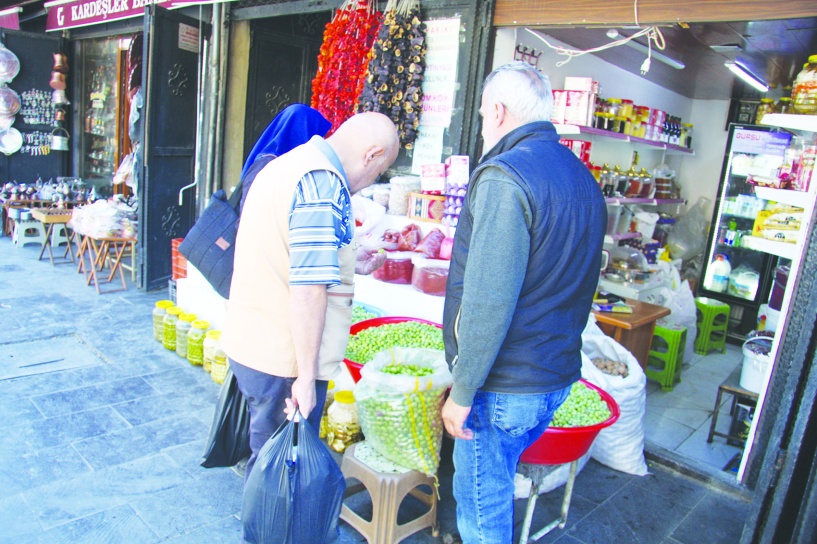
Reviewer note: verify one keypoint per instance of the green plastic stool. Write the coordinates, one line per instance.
(713, 320)
(666, 355)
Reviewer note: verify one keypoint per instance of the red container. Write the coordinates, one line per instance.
(397, 268)
(354, 368)
(559, 445)
(781, 277)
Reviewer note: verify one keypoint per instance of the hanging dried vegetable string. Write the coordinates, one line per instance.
(343, 58)
(394, 83)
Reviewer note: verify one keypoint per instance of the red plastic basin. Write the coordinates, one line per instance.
(565, 444)
(354, 368)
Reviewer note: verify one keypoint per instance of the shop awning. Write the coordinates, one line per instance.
(10, 18)
(63, 14)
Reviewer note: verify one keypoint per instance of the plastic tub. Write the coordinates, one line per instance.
(354, 368)
(756, 366)
(559, 445)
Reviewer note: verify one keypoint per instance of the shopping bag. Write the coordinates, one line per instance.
(400, 415)
(229, 438)
(210, 244)
(295, 490)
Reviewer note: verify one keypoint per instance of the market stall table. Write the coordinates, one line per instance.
(633, 331)
(25, 203)
(51, 217)
(98, 251)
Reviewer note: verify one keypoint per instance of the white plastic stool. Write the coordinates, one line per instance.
(59, 235)
(28, 232)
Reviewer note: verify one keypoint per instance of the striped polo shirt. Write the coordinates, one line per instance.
(320, 223)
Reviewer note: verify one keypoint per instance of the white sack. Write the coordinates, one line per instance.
(557, 477)
(681, 303)
(621, 445)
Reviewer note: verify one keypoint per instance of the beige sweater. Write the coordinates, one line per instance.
(256, 333)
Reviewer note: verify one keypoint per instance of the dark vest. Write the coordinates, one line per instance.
(541, 352)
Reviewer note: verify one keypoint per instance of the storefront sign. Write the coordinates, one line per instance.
(188, 38)
(64, 14)
(428, 148)
(440, 79)
(10, 18)
(758, 142)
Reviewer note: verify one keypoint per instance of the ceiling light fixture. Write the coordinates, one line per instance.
(657, 55)
(743, 73)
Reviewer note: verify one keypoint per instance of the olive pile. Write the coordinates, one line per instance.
(584, 407)
(411, 334)
(613, 368)
(359, 313)
(393, 85)
(405, 428)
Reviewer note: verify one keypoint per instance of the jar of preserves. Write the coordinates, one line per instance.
(211, 341)
(344, 425)
(159, 312)
(766, 106)
(220, 366)
(633, 189)
(195, 341)
(613, 105)
(183, 325)
(647, 184)
(626, 108)
(783, 105)
(397, 268)
(323, 428)
(804, 93)
(169, 327)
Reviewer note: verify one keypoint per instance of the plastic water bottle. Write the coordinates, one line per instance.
(717, 274)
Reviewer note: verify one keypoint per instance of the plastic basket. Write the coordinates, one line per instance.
(354, 368)
(559, 445)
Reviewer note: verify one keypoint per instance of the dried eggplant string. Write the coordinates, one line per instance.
(342, 60)
(397, 62)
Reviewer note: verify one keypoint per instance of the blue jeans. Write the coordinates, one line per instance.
(504, 426)
(265, 396)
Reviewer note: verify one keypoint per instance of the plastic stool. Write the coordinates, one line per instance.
(713, 320)
(666, 355)
(387, 492)
(59, 235)
(28, 232)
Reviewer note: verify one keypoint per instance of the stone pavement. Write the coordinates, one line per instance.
(104, 430)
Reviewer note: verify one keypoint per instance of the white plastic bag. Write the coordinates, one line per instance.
(556, 478)
(681, 303)
(368, 212)
(621, 445)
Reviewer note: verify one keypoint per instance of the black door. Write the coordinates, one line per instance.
(170, 83)
(283, 61)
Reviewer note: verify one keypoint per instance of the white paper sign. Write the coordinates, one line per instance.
(428, 148)
(440, 79)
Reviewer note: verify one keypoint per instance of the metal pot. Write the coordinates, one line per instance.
(58, 141)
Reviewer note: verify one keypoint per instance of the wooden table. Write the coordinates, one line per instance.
(52, 217)
(98, 251)
(633, 331)
(25, 203)
(731, 386)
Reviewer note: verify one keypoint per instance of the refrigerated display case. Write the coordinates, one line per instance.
(104, 135)
(752, 153)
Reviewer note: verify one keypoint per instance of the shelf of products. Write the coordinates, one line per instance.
(781, 249)
(573, 130)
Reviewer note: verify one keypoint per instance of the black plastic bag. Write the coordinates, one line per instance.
(229, 439)
(295, 490)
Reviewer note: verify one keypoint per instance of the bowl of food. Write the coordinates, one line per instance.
(371, 336)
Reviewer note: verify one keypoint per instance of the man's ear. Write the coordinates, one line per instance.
(374, 152)
(500, 112)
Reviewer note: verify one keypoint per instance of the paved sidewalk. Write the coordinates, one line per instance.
(103, 430)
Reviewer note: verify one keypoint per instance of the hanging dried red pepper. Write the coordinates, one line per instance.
(394, 82)
(343, 60)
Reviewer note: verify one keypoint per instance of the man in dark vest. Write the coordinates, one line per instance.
(524, 268)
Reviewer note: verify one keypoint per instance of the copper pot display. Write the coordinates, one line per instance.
(60, 63)
(57, 81)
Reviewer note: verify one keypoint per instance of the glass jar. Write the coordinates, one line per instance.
(195, 341)
(159, 312)
(219, 367)
(646, 183)
(783, 105)
(183, 325)
(323, 428)
(766, 106)
(613, 105)
(344, 425)
(804, 93)
(211, 341)
(626, 108)
(686, 138)
(169, 323)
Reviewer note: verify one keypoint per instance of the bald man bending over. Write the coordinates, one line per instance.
(290, 304)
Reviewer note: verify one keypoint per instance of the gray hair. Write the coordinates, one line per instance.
(523, 90)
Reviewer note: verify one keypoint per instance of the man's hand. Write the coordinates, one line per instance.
(454, 417)
(368, 260)
(303, 396)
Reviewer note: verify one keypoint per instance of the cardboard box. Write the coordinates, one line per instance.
(432, 178)
(457, 172)
(426, 207)
(581, 84)
(573, 108)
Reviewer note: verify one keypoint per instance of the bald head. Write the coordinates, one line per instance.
(366, 145)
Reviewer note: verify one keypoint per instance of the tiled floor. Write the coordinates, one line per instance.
(105, 445)
(679, 420)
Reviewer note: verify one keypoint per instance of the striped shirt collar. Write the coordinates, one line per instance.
(330, 154)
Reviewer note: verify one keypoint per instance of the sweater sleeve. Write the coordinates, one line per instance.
(497, 261)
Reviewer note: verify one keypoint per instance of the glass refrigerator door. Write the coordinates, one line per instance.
(753, 152)
(100, 101)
